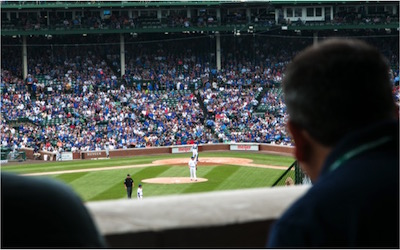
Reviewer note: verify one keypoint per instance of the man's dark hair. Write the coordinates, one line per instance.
(336, 87)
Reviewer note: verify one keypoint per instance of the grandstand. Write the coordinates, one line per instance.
(151, 74)
(102, 66)
(76, 75)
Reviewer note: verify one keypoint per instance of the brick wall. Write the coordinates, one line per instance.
(265, 148)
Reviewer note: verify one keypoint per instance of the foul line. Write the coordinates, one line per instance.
(144, 165)
(92, 169)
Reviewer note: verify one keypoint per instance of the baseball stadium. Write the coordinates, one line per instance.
(93, 91)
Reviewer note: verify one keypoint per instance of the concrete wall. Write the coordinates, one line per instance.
(225, 219)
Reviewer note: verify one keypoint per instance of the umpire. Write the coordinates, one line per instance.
(129, 184)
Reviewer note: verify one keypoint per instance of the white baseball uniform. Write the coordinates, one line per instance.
(195, 151)
(192, 166)
(140, 193)
(107, 147)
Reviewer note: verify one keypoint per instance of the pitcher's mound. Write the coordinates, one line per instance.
(173, 180)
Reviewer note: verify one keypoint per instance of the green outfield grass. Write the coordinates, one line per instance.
(108, 184)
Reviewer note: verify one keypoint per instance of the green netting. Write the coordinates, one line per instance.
(292, 176)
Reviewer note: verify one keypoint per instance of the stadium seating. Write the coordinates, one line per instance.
(165, 87)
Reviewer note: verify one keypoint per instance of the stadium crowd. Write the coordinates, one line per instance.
(204, 17)
(73, 100)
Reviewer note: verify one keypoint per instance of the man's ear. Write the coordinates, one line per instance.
(302, 149)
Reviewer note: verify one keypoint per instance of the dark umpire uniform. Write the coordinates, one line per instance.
(129, 183)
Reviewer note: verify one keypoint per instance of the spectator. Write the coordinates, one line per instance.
(87, 101)
(337, 139)
(46, 200)
(289, 181)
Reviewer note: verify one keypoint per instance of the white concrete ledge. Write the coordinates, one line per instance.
(192, 210)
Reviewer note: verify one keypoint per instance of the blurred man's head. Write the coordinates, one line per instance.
(336, 87)
(330, 90)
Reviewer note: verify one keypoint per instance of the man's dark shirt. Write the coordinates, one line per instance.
(128, 182)
(354, 205)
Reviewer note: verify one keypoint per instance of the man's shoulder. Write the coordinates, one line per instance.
(307, 207)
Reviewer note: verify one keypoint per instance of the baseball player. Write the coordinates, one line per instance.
(107, 147)
(140, 192)
(193, 167)
(195, 151)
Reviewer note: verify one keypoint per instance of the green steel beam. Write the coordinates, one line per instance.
(114, 4)
(222, 28)
(394, 25)
(344, 2)
(16, 5)
(225, 28)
